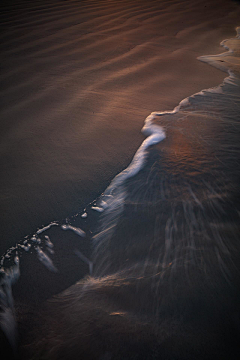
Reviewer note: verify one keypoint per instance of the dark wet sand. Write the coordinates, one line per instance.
(78, 79)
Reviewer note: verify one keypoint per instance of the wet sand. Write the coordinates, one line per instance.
(78, 80)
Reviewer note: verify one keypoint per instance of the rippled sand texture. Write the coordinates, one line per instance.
(77, 81)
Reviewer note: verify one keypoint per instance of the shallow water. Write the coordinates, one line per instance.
(77, 80)
(172, 216)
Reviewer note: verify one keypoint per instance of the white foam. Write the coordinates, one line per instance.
(45, 259)
(103, 204)
(25, 247)
(77, 231)
(97, 208)
(48, 242)
(155, 134)
(46, 228)
(36, 239)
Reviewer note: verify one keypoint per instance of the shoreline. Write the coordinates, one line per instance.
(62, 149)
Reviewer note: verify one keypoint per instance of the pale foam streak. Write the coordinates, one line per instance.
(85, 259)
(45, 259)
(77, 231)
(7, 313)
(156, 134)
(46, 228)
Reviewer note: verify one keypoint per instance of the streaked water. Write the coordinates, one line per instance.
(165, 238)
(77, 80)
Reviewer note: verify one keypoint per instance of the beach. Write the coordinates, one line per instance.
(78, 80)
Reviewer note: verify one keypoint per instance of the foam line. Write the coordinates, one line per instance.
(97, 208)
(46, 228)
(77, 231)
(155, 135)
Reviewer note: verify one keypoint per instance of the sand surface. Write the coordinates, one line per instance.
(78, 79)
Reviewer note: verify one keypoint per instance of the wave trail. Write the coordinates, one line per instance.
(200, 157)
(154, 134)
(7, 312)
